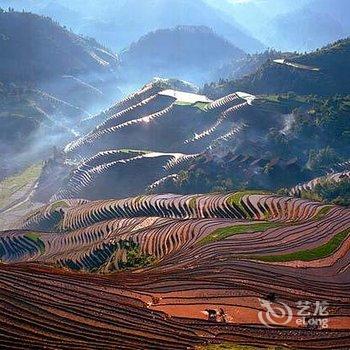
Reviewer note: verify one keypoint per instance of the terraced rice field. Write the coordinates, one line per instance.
(150, 112)
(174, 272)
(125, 165)
(163, 129)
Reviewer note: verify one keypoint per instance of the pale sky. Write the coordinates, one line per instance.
(241, 1)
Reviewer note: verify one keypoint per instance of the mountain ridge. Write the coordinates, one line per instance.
(186, 52)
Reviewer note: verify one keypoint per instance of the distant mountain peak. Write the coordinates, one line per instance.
(187, 52)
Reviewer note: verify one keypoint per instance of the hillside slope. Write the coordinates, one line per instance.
(151, 134)
(50, 78)
(322, 72)
(35, 49)
(32, 123)
(237, 68)
(162, 140)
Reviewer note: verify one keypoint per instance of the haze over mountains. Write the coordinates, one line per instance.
(301, 25)
(110, 21)
(36, 50)
(66, 78)
(50, 79)
(315, 24)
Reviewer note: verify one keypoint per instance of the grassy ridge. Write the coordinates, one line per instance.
(281, 102)
(225, 232)
(35, 237)
(59, 204)
(320, 252)
(323, 212)
(237, 197)
(200, 105)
